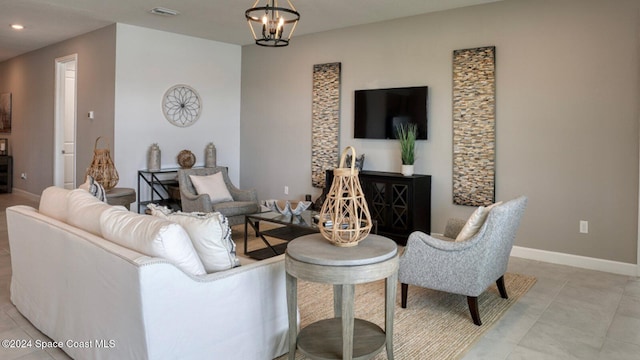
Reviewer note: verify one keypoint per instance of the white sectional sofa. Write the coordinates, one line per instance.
(100, 300)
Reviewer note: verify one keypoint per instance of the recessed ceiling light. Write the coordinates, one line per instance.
(17, 26)
(163, 11)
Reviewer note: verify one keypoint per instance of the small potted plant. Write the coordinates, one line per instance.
(407, 135)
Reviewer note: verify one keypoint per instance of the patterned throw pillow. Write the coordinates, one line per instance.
(210, 234)
(94, 188)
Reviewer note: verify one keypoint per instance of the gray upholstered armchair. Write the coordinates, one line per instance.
(244, 201)
(466, 267)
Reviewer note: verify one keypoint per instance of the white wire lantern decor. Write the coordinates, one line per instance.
(270, 23)
(345, 217)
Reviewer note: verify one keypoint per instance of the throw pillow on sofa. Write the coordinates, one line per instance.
(210, 234)
(53, 203)
(94, 188)
(84, 210)
(151, 236)
(213, 185)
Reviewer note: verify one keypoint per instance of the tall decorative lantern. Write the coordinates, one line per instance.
(345, 215)
(102, 168)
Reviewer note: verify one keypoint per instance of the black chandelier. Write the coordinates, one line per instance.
(271, 22)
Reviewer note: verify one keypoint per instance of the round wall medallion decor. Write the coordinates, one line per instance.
(181, 105)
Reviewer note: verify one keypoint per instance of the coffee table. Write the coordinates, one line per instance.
(294, 226)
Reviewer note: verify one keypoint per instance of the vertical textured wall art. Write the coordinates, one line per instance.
(325, 127)
(5, 113)
(474, 119)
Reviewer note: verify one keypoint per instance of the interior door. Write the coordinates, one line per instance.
(66, 114)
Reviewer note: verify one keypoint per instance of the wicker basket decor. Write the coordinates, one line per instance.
(186, 159)
(102, 168)
(345, 217)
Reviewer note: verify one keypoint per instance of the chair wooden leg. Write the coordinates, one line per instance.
(473, 308)
(501, 288)
(403, 295)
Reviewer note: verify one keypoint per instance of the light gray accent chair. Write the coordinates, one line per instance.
(466, 267)
(244, 201)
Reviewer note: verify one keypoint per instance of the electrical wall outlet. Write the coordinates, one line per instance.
(23, 176)
(286, 190)
(584, 227)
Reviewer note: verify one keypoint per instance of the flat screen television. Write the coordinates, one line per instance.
(377, 112)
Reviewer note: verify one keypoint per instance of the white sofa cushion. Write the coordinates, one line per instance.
(84, 210)
(213, 185)
(53, 203)
(210, 234)
(151, 236)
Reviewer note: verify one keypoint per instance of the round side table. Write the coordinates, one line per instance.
(121, 196)
(312, 258)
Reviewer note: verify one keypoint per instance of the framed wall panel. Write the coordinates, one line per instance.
(325, 127)
(474, 130)
(5, 113)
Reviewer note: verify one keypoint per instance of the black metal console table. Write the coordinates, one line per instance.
(157, 184)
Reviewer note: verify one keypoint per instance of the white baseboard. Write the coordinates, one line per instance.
(584, 262)
(26, 194)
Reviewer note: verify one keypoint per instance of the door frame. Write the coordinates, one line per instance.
(58, 134)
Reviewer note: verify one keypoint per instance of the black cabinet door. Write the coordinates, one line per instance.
(399, 204)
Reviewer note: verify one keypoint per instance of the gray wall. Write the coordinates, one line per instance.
(31, 78)
(567, 112)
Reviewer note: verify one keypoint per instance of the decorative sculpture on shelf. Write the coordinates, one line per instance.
(287, 207)
(186, 159)
(345, 219)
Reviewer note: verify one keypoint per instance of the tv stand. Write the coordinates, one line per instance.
(400, 204)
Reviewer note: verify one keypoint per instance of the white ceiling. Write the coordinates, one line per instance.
(51, 21)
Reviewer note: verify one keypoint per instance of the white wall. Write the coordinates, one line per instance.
(567, 112)
(148, 62)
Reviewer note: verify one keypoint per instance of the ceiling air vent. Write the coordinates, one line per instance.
(163, 11)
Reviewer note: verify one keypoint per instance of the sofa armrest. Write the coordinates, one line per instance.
(225, 309)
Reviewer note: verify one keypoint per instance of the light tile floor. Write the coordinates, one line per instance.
(570, 313)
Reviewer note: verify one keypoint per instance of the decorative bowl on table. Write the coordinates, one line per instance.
(286, 207)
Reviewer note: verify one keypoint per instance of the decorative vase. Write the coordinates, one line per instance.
(153, 158)
(345, 219)
(407, 170)
(210, 156)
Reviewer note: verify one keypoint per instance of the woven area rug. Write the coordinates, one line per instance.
(435, 325)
